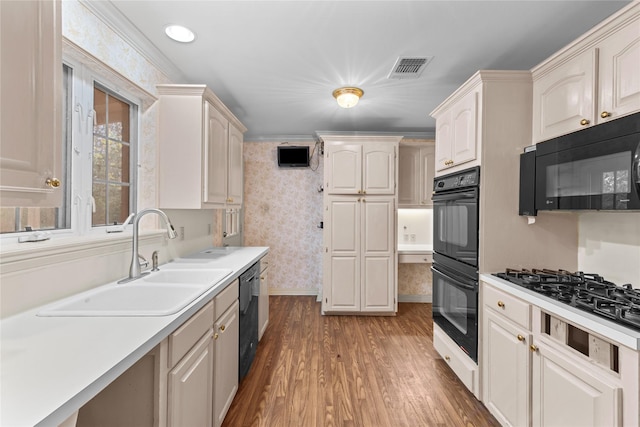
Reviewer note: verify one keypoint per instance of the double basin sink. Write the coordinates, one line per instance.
(159, 293)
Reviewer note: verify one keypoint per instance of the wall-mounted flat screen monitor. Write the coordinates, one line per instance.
(292, 156)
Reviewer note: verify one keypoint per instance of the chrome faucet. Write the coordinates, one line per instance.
(135, 270)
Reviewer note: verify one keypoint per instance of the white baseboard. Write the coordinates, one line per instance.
(415, 298)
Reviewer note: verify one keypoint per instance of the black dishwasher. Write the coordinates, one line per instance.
(249, 291)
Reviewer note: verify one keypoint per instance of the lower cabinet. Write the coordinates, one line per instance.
(189, 379)
(540, 370)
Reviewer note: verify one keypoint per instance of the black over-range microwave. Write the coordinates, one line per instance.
(592, 169)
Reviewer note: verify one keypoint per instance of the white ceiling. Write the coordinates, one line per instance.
(275, 64)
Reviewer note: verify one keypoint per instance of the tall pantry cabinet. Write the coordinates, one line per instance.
(360, 200)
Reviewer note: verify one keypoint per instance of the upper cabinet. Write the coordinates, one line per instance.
(594, 80)
(457, 132)
(31, 105)
(200, 150)
(361, 168)
(416, 165)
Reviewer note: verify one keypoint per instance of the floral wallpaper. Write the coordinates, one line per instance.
(414, 282)
(283, 209)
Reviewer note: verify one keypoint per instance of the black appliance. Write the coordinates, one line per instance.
(588, 292)
(455, 259)
(596, 168)
(249, 291)
(528, 182)
(293, 156)
(455, 215)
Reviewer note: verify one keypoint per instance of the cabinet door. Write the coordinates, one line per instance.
(464, 126)
(619, 78)
(565, 392)
(427, 172)
(226, 337)
(215, 156)
(31, 103)
(563, 100)
(409, 175)
(190, 401)
(505, 369)
(444, 136)
(379, 169)
(234, 186)
(263, 303)
(344, 173)
(378, 248)
(342, 262)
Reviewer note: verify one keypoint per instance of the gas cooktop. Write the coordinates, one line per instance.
(588, 292)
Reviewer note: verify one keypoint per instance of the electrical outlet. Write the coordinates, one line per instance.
(405, 237)
(181, 233)
(413, 237)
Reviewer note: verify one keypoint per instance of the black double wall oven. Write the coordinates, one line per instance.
(455, 258)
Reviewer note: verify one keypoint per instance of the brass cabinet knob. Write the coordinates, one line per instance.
(261, 277)
(215, 336)
(584, 122)
(533, 348)
(364, 200)
(364, 191)
(359, 191)
(52, 182)
(605, 114)
(500, 304)
(222, 328)
(447, 358)
(520, 338)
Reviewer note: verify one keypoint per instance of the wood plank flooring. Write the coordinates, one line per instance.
(313, 370)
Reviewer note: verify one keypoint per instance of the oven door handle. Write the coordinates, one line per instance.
(454, 196)
(458, 282)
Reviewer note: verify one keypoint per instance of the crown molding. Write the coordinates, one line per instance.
(122, 26)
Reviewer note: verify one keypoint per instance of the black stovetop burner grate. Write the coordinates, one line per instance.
(588, 292)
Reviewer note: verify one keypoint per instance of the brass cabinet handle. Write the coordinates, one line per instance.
(359, 191)
(605, 114)
(215, 336)
(500, 304)
(52, 182)
(584, 122)
(261, 277)
(520, 338)
(364, 191)
(222, 328)
(533, 348)
(447, 358)
(364, 200)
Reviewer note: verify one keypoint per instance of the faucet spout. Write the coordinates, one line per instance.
(135, 270)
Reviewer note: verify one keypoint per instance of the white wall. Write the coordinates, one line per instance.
(415, 226)
(609, 245)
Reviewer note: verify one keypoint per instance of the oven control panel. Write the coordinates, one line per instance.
(466, 178)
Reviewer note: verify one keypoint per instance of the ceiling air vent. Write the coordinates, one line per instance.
(409, 67)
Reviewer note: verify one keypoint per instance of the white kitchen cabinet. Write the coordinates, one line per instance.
(567, 391)
(506, 364)
(457, 132)
(190, 382)
(416, 165)
(360, 262)
(200, 140)
(263, 298)
(226, 337)
(361, 168)
(592, 81)
(31, 105)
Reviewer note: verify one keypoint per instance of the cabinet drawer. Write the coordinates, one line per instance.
(227, 297)
(264, 263)
(415, 258)
(181, 341)
(458, 361)
(509, 306)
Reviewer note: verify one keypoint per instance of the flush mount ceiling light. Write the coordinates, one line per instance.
(347, 97)
(179, 33)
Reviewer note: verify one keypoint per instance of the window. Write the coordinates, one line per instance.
(99, 160)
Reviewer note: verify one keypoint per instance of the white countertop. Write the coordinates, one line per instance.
(611, 330)
(414, 248)
(52, 366)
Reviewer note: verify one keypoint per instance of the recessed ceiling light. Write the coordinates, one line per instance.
(179, 33)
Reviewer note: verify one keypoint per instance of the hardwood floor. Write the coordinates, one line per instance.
(313, 370)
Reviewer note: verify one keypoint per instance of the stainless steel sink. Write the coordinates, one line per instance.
(158, 294)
